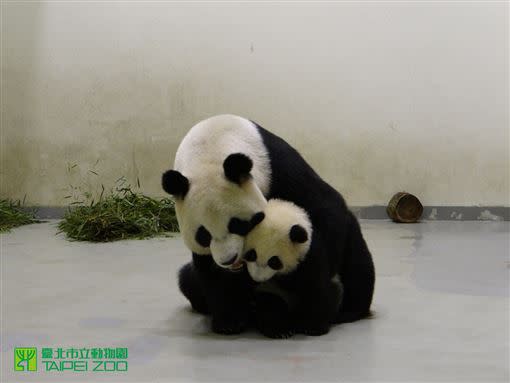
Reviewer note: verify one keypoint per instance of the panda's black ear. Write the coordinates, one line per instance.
(237, 167)
(175, 183)
(298, 234)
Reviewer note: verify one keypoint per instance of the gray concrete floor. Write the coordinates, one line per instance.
(441, 311)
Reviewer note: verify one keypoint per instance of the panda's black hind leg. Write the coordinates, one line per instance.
(191, 288)
(358, 278)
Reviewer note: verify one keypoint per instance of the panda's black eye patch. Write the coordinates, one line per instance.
(203, 237)
(257, 218)
(250, 256)
(275, 263)
(239, 227)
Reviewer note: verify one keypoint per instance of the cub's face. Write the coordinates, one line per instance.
(279, 242)
(218, 209)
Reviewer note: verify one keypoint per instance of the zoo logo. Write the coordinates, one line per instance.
(25, 359)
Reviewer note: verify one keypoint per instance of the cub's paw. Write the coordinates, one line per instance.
(230, 327)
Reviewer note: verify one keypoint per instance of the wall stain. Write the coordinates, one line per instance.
(433, 214)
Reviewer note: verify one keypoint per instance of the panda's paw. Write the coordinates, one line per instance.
(273, 327)
(280, 335)
(275, 333)
(230, 327)
(313, 330)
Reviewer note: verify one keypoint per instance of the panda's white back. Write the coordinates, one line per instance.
(204, 148)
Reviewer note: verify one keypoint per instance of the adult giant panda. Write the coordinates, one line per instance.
(225, 168)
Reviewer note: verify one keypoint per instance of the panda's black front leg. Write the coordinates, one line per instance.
(227, 293)
(191, 287)
(229, 301)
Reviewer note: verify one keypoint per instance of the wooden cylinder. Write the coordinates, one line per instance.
(404, 207)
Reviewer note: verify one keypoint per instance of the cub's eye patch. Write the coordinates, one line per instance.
(239, 227)
(250, 256)
(203, 237)
(275, 263)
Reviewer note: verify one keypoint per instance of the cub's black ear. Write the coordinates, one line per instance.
(257, 218)
(250, 256)
(237, 167)
(298, 234)
(175, 183)
(239, 227)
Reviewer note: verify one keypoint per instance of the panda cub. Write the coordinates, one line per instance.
(281, 253)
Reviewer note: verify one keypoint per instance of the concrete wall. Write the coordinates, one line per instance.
(378, 97)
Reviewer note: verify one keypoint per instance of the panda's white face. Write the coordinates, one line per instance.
(279, 242)
(215, 215)
(217, 209)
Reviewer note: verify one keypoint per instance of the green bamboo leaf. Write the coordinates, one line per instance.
(119, 214)
(12, 214)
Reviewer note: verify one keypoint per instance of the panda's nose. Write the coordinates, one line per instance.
(230, 261)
